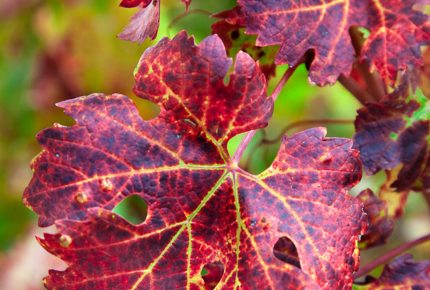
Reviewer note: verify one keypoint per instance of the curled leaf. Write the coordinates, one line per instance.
(144, 23)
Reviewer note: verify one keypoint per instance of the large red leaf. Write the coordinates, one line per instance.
(396, 33)
(204, 212)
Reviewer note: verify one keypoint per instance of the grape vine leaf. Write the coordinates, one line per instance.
(382, 210)
(402, 273)
(380, 226)
(396, 131)
(231, 29)
(144, 24)
(397, 32)
(207, 219)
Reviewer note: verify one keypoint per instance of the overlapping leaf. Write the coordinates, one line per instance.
(396, 131)
(402, 273)
(382, 211)
(203, 211)
(230, 28)
(144, 24)
(381, 225)
(396, 33)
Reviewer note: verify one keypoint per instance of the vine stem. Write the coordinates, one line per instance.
(390, 255)
(302, 123)
(354, 88)
(245, 141)
(375, 86)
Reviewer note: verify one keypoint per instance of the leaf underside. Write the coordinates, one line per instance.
(204, 213)
(144, 24)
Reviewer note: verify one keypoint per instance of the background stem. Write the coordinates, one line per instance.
(354, 88)
(390, 255)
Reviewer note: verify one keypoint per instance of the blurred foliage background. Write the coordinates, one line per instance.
(54, 50)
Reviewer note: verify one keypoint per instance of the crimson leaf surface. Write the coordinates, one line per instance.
(209, 222)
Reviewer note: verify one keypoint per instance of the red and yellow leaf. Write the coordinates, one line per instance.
(397, 32)
(205, 214)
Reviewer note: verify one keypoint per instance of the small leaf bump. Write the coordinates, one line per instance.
(65, 241)
(81, 197)
(106, 185)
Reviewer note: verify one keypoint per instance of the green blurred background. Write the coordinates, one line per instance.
(54, 50)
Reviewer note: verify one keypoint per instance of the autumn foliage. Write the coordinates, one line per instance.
(211, 224)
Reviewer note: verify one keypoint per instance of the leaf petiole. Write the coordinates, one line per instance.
(245, 141)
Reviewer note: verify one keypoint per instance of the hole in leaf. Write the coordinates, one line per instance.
(364, 31)
(212, 273)
(147, 109)
(133, 209)
(309, 58)
(286, 251)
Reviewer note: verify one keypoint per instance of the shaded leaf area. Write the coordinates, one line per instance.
(208, 222)
(402, 273)
(286, 251)
(231, 29)
(381, 225)
(397, 32)
(396, 131)
(424, 73)
(382, 211)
